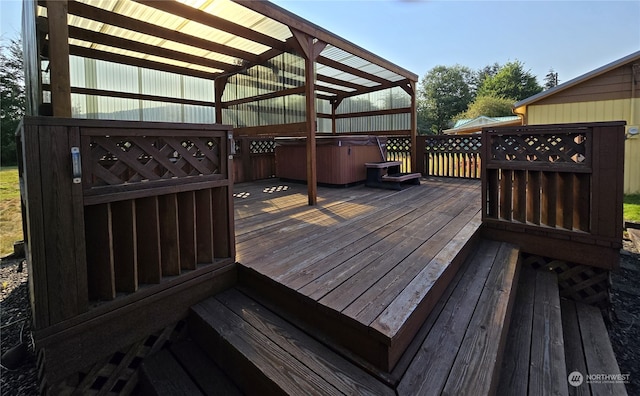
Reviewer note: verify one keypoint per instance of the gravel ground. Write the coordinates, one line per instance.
(624, 328)
(14, 314)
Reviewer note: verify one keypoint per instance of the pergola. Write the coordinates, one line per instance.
(266, 66)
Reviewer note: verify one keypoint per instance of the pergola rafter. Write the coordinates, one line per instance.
(214, 40)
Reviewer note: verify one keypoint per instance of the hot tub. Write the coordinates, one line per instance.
(340, 159)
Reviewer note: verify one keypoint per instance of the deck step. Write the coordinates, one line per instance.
(588, 350)
(183, 369)
(550, 338)
(267, 355)
(459, 347)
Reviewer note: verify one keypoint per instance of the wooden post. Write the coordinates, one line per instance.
(311, 51)
(414, 128)
(59, 57)
(219, 86)
(312, 180)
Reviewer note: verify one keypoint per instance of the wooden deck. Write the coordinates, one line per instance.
(365, 266)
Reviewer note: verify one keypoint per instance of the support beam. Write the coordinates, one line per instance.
(59, 58)
(219, 86)
(311, 51)
(414, 127)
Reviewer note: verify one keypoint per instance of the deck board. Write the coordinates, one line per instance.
(368, 256)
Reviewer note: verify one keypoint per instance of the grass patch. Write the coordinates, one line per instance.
(10, 213)
(631, 208)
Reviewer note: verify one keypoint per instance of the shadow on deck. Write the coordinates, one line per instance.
(365, 266)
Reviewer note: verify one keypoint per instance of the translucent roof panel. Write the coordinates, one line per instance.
(209, 38)
(344, 57)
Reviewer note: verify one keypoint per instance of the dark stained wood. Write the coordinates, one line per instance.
(548, 369)
(31, 188)
(81, 342)
(148, 240)
(477, 366)
(187, 229)
(223, 220)
(582, 203)
(573, 191)
(549, 198)
(59, 58)
(162, 375)
(514, 374)
(506, 195)
(448, 331)
(303, 348)
(564, 204)
(125, 255)
(246, 352)
(204, 227)
(169, 234)
(573, 351)
(63, 266)
(520, 196)
(598, 352)
(205, 373)
(533, 197)
(99, 242)
(356, 255)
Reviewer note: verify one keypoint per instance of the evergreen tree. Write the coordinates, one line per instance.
(12, 98)
(551, 79)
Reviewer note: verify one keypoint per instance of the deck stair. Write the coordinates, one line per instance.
(550, 338)
(465, 332)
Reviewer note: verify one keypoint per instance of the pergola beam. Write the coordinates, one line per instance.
(196, 15)
(294, 22)
(136, 25)
(59, 58)
(128, 60)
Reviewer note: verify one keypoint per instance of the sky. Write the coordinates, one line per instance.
(572, 37)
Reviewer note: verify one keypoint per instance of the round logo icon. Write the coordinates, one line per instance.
(576, 378)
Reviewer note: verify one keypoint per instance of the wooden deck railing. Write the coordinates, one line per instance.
(254, 159)
(127, 225)
(449, 156)
(556, 190)
(399, 149)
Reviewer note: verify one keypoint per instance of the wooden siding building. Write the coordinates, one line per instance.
(609, 93)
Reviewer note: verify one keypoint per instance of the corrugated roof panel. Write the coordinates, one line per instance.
(340, 87)
(243, 16)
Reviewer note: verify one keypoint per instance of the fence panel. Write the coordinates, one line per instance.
(451, 156)
(556, 184)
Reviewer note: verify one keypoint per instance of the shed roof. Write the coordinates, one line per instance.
(580, 79)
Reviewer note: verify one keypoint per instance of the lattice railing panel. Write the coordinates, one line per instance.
(453, 144)
(570, 147)
(399, 144)
(117, 160)
(577, 282)
(262, 146)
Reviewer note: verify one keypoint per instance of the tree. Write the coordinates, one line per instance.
(481, 75)
(443, 93)
(489, 106)
(511, 81)
(12, 98)
(551, 79)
